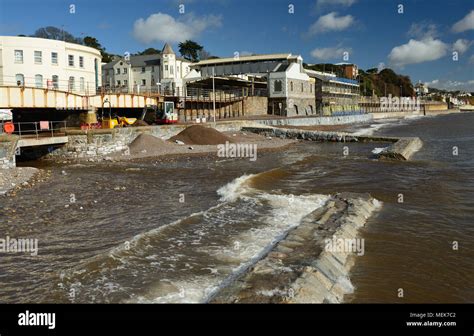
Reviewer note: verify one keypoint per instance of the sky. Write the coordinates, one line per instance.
(431, 41)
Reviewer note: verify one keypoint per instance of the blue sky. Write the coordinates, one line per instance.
(418, 42)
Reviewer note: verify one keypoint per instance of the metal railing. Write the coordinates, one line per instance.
(191, 92)
(76, 86)
(38, 129)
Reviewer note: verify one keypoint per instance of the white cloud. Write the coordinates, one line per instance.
(422, 30)
(165, 28)
(461, 45)
(346, 3)
(471, 59)
(329, 53)
(331, 22)
(452, 85)
(433, 82)
(467, 23)
(416, 51)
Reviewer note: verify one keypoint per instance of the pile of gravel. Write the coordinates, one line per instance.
(145, 143)
(201, 135)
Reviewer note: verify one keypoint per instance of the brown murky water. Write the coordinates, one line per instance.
(178, 230)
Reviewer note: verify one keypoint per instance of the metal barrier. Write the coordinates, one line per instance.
(180, 92)
(38, 129)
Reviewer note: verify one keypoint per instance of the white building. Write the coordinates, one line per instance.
(52, 64)
(291, 91)
(421, 89)
(143, 73)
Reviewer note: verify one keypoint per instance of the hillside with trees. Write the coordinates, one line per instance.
(373, 82)
(384, 83)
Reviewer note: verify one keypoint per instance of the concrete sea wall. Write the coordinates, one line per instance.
(302, 267)
(399, 148)
(327, 280)
(311, 121)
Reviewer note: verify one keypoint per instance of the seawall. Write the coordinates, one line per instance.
(399, 148)
(301, 268)
(312, 121)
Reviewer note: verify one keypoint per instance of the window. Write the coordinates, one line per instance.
(70, 60)
(125, 82)
(81, 61)
(171, 70)
(125, 71)
(152, 69)
(20, 79)
(118, 71)
(278, 86)
(177, 70)
(55, 81)
(38, 57)
(118, 83)
(143, 81)
(82, 86)
(143, 69)
(291, 86)
(39, 81)
(18, 56)
(166, 67)
(311, 90)
(302, 87)
(71, 83)
(54, 58)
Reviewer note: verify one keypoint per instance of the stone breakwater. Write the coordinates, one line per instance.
(300, 268)
(400, 148)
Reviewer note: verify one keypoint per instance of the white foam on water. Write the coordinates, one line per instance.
(378, 204)
(234, 189)
(189, 291)
(373, 128)
(287, 212)
(280, 213)
(133, 242)
(378, 150)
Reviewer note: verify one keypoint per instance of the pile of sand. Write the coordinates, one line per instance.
(148, 144)
(201, 135)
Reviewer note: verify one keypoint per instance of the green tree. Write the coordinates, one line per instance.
(94, 43)
(55, 33)
(190, 50)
